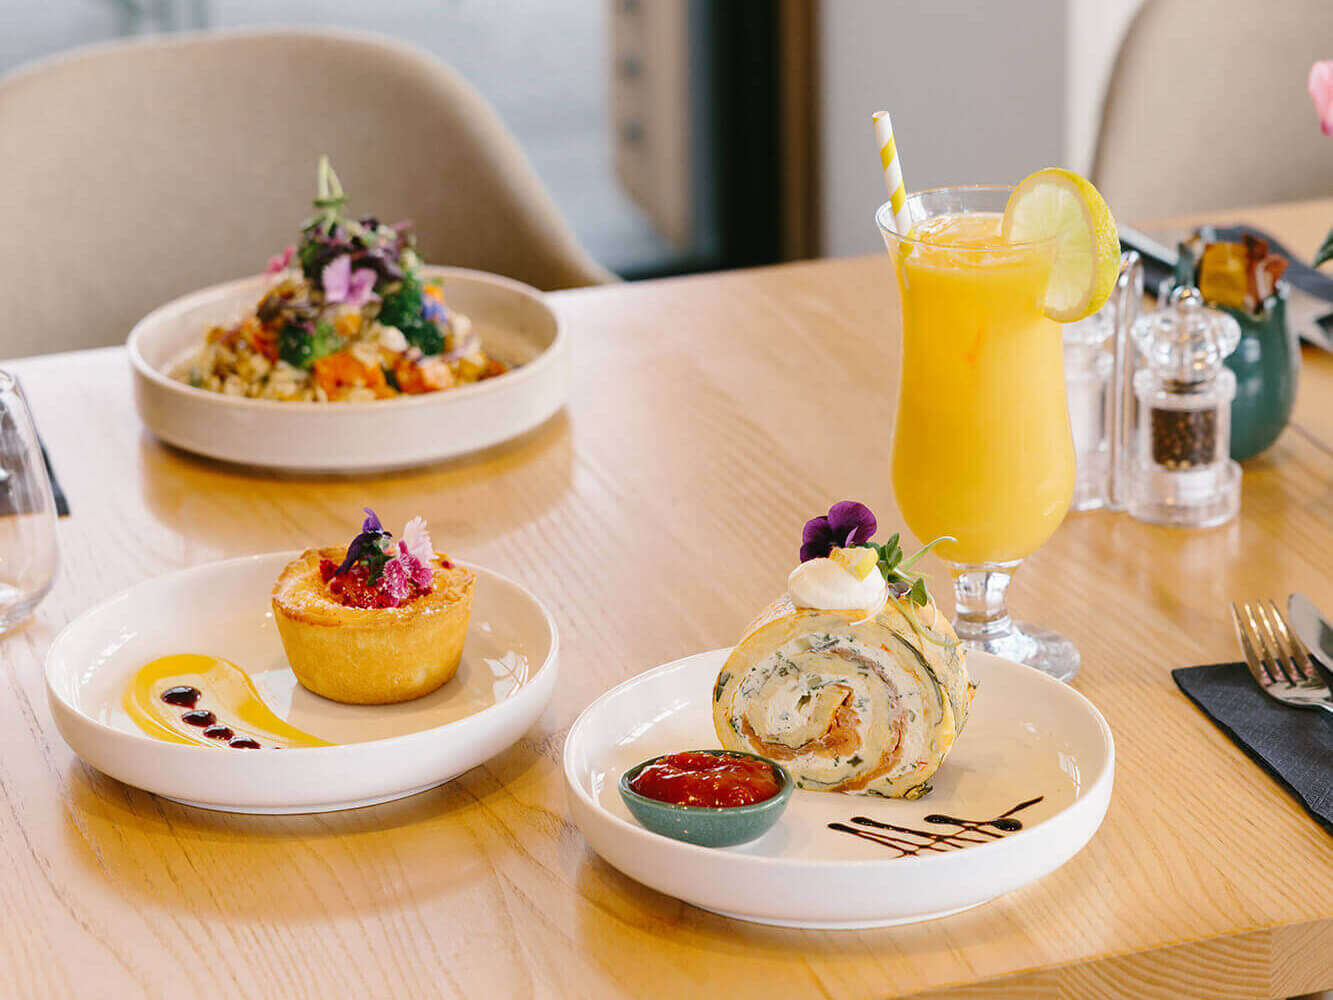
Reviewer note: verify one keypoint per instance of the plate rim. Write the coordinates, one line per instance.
(756, 862)
(525, 372)
(550, 663)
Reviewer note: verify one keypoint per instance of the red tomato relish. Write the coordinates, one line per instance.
(353, 589)
(695, 778)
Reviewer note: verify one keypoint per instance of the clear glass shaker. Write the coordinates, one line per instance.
(29, 553)
(1094, 361)
(1179, 464)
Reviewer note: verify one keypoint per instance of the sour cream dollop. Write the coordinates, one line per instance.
(825, 585)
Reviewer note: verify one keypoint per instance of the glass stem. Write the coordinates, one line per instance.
(981, 614)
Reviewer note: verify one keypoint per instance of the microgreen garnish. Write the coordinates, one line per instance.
(898, 571)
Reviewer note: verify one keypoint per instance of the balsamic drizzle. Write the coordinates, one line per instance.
(970, 831)
(187, 697)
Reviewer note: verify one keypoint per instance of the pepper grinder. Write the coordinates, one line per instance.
(1178, 463)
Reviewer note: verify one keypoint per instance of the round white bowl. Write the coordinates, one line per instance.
(379, 752)
(516, 326)
(1027, 735)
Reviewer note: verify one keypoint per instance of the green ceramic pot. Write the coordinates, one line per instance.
(1267, 363)
(708, 826)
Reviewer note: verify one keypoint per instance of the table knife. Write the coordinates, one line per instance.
(1313, 628)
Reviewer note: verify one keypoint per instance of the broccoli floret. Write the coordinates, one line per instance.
(302, 348)
(403, 309)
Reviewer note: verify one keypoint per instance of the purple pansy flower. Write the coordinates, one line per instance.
(847, 523)
(343, 285)
(368, 541)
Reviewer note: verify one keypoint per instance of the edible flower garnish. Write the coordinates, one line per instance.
(847, 523)
(379, 573)
(850, 525)
(279, 262)
(344, 286)
(367, 548)
(349, 314)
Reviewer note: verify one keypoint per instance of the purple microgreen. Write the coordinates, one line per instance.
(372, 521)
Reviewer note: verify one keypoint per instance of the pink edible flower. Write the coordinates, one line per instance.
(280, 261)
(1321, 92)
(419, 572)
(394, 580)
(343, 285)
(416, 540)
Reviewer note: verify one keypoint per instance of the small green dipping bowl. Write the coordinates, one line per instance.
(708, 826)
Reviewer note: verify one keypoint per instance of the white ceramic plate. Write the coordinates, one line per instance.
(384, 751)
(515, 325)
(1027, 735)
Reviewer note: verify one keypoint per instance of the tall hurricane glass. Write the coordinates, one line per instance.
(982, 449)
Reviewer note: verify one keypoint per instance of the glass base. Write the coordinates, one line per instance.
(1037, 647)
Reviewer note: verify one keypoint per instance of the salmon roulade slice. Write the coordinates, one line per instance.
(847, 702)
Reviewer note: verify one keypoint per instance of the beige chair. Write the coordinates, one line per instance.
(131, 173)
(1207, 108)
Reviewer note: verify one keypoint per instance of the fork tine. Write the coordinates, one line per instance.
(1296, 651)
(1269, 641)
(1257, 669)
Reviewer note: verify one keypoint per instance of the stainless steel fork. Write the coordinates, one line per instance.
(1277, 658)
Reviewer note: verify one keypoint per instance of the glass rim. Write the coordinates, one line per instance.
(885, 211)
(7, 381)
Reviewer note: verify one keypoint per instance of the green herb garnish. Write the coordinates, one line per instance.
(302, 346)
(898, 571)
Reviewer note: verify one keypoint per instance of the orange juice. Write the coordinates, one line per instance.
(982, 448)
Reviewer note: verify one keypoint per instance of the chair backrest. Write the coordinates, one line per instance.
(1207, 108)
(131, 173)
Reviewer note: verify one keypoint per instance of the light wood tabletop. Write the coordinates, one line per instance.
(710, 417)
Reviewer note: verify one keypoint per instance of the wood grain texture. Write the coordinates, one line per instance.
(710, 417)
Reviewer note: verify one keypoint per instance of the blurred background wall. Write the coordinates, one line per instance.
(683, 135)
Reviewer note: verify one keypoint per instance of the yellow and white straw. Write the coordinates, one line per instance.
(893, 171)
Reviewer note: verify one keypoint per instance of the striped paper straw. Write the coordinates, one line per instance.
(893, 171)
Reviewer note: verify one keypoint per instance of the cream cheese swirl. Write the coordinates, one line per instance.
(825, 585)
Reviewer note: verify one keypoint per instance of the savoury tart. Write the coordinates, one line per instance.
(358, 634)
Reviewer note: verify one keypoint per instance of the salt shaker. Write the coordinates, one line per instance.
(1179, 466)
(1093, 360)
(1088, 366)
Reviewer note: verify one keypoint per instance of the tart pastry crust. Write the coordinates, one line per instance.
(371, 656)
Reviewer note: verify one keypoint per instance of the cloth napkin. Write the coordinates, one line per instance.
(1294, 745)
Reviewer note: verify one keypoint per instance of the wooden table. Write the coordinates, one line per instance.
(710, 417)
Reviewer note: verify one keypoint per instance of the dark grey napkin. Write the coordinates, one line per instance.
(1294, 745)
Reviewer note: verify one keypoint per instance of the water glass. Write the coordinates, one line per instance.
(29, 552)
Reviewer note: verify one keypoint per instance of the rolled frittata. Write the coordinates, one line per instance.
(854, 701)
